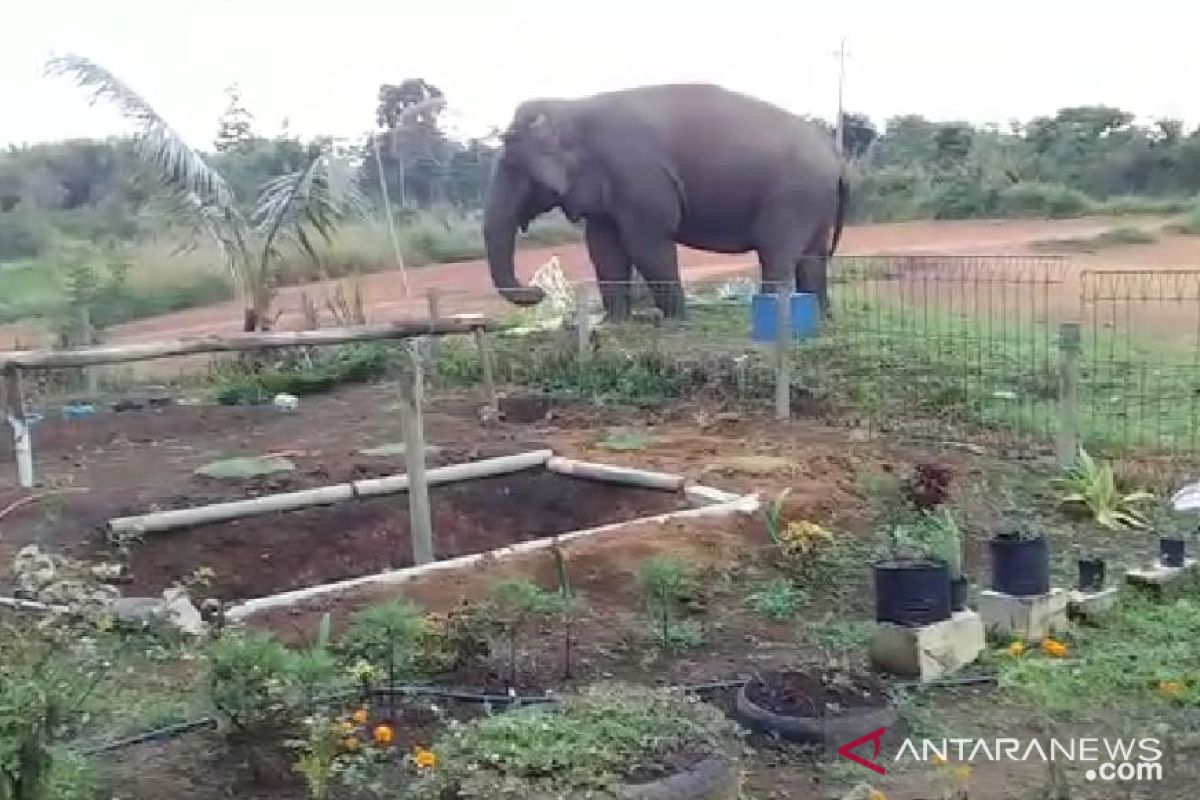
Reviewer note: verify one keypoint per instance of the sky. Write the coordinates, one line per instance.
(319, 65)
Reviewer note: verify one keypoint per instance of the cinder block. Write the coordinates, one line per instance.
(1092, 606)
(929, 652)
(1164, 583)
(1029, 618)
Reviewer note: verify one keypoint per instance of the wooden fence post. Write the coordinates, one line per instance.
(485, 361)
(433, 297)
(783, 365)
(14, 407)
(1067, 443)
(582, 324)
(419, 517)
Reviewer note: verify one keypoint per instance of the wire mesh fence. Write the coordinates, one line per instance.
(936, 348)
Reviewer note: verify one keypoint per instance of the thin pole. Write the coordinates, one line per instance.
(841, 128)
(419, 517)
(387, 210)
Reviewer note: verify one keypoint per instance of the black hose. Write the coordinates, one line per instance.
(464, 696)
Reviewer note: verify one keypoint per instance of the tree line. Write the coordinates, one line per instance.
(1078, 160)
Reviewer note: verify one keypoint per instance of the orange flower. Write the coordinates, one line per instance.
(424, 759)
(383, 735)
(1054, 649)
(360, 716)
(1016, 649)
(350, 744)
(876, 795)
(1170, 688)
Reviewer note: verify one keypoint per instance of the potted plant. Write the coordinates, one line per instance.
(1091, 574)
(1020, 560)
(912, 587)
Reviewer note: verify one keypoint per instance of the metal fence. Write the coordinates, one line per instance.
(1027, 353)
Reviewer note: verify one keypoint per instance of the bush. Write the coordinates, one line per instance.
(584, 747)
(1190, 224)
(1132, 204)
(23, 235)
(300, 375)
(249, 681)
(1035, 199)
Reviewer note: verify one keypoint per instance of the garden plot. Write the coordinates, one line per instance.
(359, 533)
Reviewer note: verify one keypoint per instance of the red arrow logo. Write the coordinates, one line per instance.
(847, 750)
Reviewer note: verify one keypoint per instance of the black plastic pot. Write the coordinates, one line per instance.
(912, 592)
(1020, 564)
(1091, 574)
(958, 593)
(1171, 551)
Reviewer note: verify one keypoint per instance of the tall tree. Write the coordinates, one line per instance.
(235, 128)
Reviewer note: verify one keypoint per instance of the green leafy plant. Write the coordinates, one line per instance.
(571, 606)
(773, 517)
(1093, 486)
(249, 681)
(665, 584)
(387, 637)
(932, 534)
(513, 604)
(314, 667)
(778, 599)
(585, 746)
(318, 754)
(45, 682)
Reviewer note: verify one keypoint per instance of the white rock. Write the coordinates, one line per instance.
(286, 402)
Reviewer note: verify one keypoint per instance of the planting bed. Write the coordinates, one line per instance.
(278, 552)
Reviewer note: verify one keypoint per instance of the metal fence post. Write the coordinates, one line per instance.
(783, 365)
(1067, 444)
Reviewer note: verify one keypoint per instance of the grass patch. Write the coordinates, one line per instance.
(1143, 657)
(1123, 235)
(1189, 224)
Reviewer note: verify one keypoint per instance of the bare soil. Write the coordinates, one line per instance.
(813, 694)
(272, 553)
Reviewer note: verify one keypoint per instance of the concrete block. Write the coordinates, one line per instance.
(1164, 583)
(1092, 606)
(929, 652)
(1029, 618)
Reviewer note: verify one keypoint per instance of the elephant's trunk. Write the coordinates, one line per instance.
(505, 198)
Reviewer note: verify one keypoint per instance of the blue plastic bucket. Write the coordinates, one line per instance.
(804, 316)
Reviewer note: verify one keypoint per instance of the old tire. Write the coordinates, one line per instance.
(714, 778)
(826, 731)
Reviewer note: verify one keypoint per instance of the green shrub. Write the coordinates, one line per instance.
(665, 584)
(584, 747)
(23, 235)
(1036, 199)
(299, 376)
(249, 681)
(387, 637)
(1132, 204)
(1190, 224)
(778, 600)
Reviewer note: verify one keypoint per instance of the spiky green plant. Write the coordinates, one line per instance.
(291, 208)
(1093, 486)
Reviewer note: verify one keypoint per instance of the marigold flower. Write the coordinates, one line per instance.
(876, 795)
(424, 759)
(1054, 649)
(962, 772)
(1016, 649)
(937, 760)
(360, 716)
(383, 735)
(345, 728)
(1170, 688)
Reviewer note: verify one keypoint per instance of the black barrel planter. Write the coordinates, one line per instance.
(808, 718)
(912, 591)
(1091, 574)
(958, 594)
(1020, 564)
(714, 778)
(1171, 551)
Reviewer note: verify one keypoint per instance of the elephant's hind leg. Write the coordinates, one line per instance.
(613, 266)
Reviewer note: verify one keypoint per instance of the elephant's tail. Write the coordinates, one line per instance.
(840, 219)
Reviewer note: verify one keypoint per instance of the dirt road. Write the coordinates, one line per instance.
(466, 286)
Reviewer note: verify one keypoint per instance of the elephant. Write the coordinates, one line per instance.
(650, 167)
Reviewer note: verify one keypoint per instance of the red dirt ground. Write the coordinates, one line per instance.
(466, 286)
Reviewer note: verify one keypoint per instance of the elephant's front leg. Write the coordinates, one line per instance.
(656, 258)
(613, 266)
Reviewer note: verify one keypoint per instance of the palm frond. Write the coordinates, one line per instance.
(316, 197)
(181, 169)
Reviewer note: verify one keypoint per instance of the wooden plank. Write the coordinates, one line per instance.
(242, 342)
